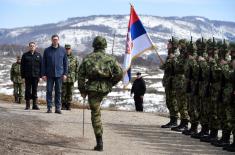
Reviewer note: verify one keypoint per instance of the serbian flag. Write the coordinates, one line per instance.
(137, 42)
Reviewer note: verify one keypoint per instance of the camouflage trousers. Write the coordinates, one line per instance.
(18, 89)
(67, 92)
(213, 112)
(182, 104)
(94, 100)
(225, 110)
(204, 110)
(171, 103)
(193, 107)
(232, 121)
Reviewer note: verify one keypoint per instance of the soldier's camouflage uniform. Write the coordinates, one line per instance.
(15, 76)
(97, 74)
(68, 84)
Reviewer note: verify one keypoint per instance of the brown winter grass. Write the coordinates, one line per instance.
(75, 105)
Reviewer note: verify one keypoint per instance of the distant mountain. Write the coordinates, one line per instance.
(80, 31)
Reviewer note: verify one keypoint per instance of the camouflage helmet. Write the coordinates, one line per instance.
(201, 44)
(99, 43)
(182, 43)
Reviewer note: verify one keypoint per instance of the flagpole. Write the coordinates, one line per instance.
(159, 57)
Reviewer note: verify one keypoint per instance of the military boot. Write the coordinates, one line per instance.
(27, 105)
(212, 137)
(20, 100)
(68, 106)
(203, 133)
(231, 147)
(35, 105)
(99, 143)
(63, 106)
(171, 124)
(183, 126)
(224, 141)
(192, 130)
(16, 99)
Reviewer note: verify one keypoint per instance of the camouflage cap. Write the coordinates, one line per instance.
(99, 43)
(182, 43)
(67, 46)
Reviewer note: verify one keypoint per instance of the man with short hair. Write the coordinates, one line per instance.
(139, 89)
(31, 65)
(54, 70)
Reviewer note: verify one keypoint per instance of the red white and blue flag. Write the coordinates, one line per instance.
(137, 42)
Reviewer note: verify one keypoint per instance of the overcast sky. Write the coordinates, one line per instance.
(18, 13)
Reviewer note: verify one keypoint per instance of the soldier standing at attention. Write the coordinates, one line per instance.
(98, 73)
(68, 84)
(54, 70)
(167, 82)
(179, 85)
(17, 80)
(31, 65)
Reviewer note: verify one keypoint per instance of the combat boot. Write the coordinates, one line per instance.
(231, 147)
(35, 105)
(68, 106)
(203, 133)
(224, 141)
(212, 137)
(183, 126)
(16, 99)
(171, 124)
(27, 105)
(20, 100)
(63, 106)
(192, 130)
(99, 143)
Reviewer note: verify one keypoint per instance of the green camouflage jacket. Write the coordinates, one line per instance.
(99, 72)
(72, 69)
(15, 74)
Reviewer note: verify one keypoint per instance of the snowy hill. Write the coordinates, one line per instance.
(80, 31)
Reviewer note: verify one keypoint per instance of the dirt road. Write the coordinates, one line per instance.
(125, 133)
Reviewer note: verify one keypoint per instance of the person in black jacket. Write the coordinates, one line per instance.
(138, 88)
(31, 64)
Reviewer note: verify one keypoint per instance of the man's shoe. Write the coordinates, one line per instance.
(99, 145)
(58, 111)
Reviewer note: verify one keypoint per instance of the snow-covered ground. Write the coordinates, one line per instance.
(154, 99)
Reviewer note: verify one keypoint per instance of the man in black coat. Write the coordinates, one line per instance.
(31, 64)
(138, 88)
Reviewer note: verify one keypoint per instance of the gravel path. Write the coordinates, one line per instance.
(125, 133)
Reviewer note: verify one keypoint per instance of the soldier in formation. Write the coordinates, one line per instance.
(200, 86)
